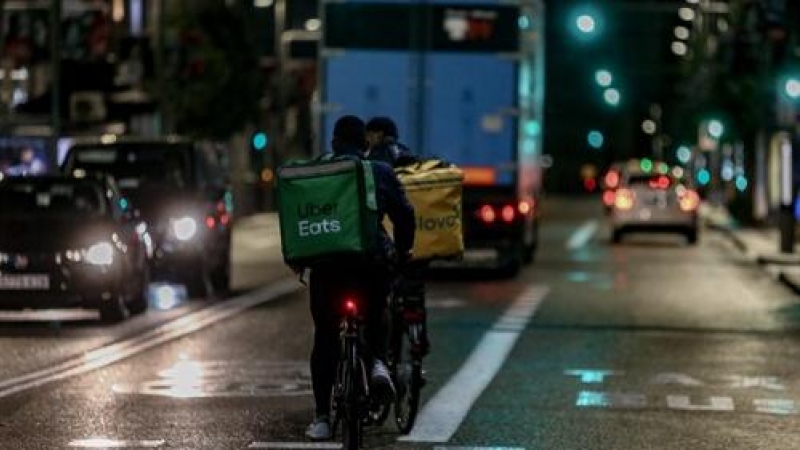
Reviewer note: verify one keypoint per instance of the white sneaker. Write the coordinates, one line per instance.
(319, 429)
(381, 382)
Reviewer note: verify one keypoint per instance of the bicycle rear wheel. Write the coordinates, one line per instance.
(351, 417)
(409, 382)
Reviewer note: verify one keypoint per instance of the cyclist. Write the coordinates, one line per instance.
(382, 137)
(367, 281)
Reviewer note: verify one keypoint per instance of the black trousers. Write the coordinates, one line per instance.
(330, 286)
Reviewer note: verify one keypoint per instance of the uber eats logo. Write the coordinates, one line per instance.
(315, 219)
(440, 222)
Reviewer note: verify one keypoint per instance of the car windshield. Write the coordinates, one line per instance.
(134, 166)
(51, 199)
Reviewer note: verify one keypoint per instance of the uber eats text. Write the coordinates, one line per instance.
(315, 219)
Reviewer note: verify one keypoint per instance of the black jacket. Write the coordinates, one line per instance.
(393, 153)
(392, 201)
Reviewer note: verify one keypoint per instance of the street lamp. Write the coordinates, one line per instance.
(586, 24)
(603, 77)
(611, 96)
(792, 88)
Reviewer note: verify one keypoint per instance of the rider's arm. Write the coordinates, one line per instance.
(399, 210)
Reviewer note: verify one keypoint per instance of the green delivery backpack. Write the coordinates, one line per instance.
(327, 210)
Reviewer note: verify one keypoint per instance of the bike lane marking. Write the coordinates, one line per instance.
(178, 328)
(582, 235)
(440, 418)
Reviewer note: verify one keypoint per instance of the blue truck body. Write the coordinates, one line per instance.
(464, 81)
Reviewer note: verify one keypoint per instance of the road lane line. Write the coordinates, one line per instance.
(295, 445)
(582, 235)
(442, 415)
(113, 353)
(108, 443)
(447, 447)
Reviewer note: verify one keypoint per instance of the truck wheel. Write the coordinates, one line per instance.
(530, 252)
(691, 236)
(616, 236)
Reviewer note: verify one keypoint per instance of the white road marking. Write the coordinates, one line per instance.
(111, 443)
(183, 326)
(295, 445)
(582, 235)
(442, 415)
(443, 447)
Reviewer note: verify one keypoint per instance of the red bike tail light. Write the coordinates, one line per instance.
(210, 222)
(350, 306)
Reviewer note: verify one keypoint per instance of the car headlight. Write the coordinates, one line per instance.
(184, 228)
(100, 254)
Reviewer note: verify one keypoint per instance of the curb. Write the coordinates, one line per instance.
(782, 277)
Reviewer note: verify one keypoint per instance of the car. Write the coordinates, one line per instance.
(654, 201)
(179, 191)
(66, 243)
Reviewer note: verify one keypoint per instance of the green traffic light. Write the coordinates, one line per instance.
(603, 78)
(586, 24)
(715, 128)
(646, 164)
(792, 88)
(595, 139)
(611, 96)
(260, 141)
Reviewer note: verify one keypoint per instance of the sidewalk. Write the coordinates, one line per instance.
(761, 245)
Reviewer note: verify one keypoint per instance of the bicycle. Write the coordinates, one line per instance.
(405, 364)
(351, 397)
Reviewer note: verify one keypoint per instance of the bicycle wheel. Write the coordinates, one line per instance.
(408, 383)
(351, 417)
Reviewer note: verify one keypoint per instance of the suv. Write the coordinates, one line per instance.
(654, 201)
(177, 189)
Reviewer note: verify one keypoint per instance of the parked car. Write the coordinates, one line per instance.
(179, 191)
(66, 242)
(654, 201)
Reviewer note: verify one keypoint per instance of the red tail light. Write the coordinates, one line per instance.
(624, 199)
(608, 197)
(508, 213)
(487, 214)
(224, 219)
(350, 306)
(611, 179)
(661, 182)
(210, 222)
(689, 200)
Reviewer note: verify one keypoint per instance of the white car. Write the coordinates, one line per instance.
(654, 201)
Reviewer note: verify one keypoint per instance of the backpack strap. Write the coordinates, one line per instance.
(369, 184)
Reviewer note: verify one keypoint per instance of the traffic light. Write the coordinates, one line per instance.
(715, 128)
(259, 141)
(595, 139)
(611, 96)
(603, 77)
(792, 87)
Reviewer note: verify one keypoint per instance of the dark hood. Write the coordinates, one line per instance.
(37, 234)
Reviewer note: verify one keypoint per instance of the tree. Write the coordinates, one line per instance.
(212, 82)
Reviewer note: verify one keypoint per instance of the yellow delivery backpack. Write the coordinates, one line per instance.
(434, 188)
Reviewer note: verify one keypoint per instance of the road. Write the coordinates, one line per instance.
(650, 344)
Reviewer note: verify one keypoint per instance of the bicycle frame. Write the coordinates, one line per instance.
(351, 388)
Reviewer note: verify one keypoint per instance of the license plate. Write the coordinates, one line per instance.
(27, 282)
(480, 255)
